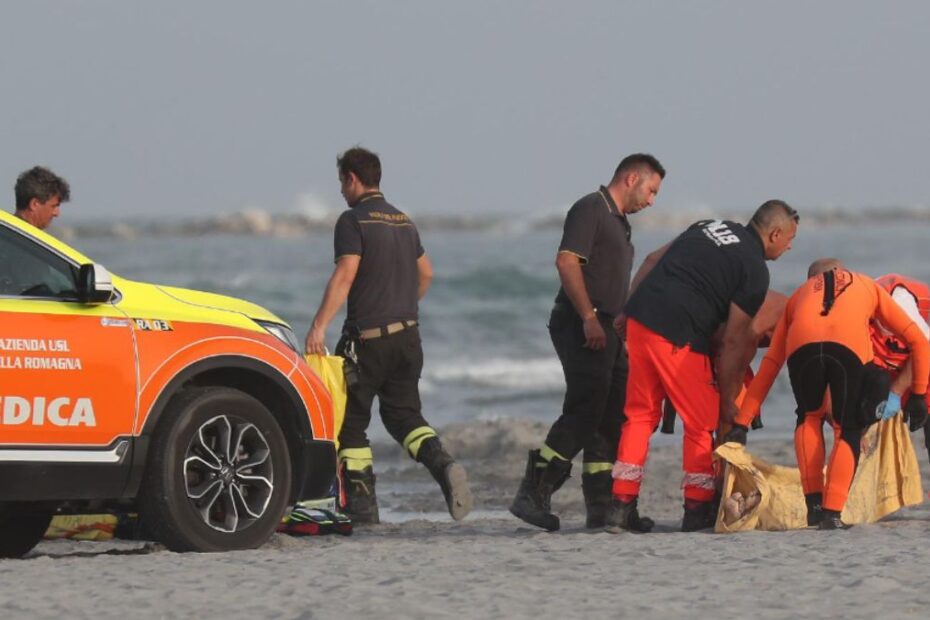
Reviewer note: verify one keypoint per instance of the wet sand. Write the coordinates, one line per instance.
(421, 564)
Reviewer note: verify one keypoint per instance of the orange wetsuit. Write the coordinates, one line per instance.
(824, 335)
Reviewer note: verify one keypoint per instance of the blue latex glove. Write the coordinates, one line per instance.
(892, 406)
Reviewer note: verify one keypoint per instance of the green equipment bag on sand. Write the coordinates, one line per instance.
(887, 479)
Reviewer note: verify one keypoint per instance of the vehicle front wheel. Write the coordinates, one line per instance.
(218, 475)
(22, 525)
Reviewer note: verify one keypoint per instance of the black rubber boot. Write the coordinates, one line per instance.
(450, 476)
(542, 479)
(831, 521)
(624, 516)
(814, 508)
(361, 502)
(597, 492)
(700, 516)
(927, 439)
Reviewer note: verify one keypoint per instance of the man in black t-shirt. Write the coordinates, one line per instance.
(594, 262)
(712, 274)
(383, 271)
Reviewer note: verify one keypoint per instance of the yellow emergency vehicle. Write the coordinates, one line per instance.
(192, 408)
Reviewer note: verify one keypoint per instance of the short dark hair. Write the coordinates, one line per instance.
(41, 183)
(640, 160)
(771, 211)
(362, 163)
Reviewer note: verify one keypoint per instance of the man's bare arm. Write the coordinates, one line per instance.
(902, 382)
(337, 291)
(569, 268)
(739, 346)
(424, 275)
(651, 260)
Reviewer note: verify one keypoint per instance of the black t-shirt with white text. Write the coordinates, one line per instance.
(687, 295)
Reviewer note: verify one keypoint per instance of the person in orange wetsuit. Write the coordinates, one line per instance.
(893, 355)
(825, 337)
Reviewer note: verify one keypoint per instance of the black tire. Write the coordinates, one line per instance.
(195, 498)
(22, 526)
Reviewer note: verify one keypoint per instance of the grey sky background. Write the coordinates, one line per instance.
(198, 108)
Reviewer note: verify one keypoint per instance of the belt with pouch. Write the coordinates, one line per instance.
(387, 330)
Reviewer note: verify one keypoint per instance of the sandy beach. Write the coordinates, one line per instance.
(421, 564)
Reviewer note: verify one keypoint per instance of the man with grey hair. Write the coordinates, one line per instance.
(39, 194)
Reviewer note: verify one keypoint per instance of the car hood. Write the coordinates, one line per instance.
(214, 301)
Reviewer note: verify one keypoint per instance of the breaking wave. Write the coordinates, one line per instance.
(284, 225)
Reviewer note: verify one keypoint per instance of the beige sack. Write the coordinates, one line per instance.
(887, 479)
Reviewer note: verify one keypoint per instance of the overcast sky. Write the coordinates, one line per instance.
(475, 107)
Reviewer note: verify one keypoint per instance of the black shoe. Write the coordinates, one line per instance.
(625, 516)
(700, 517)
(814, 508)
(450, 476)
(831, 521)
(597, 493)
(361, 502)
(533, 501)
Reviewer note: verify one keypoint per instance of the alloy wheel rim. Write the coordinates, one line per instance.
(228, 473)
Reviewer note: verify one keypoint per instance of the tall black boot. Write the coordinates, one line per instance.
(699, 516)
(450, 476)
(597, 492)
(361, 503)
(831, 521)
(541, 480)
(814, 503)
(625, 516)
(927, 439)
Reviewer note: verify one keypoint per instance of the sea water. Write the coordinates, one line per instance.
(487, 349)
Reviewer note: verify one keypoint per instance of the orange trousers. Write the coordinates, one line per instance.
(659, 370)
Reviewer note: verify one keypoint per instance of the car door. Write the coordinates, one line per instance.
(68, 377)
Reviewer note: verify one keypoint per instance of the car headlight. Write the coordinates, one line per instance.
(283, 333)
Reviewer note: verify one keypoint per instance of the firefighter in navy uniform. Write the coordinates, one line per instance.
(383, 271)
(594, 262)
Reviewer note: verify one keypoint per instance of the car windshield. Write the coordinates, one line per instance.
(27, 269)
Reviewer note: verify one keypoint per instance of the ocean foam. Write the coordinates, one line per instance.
(523, 374)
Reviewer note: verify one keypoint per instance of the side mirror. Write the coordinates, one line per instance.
(95, 286)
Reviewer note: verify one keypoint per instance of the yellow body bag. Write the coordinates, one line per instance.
(329, 369)
(887, 479)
